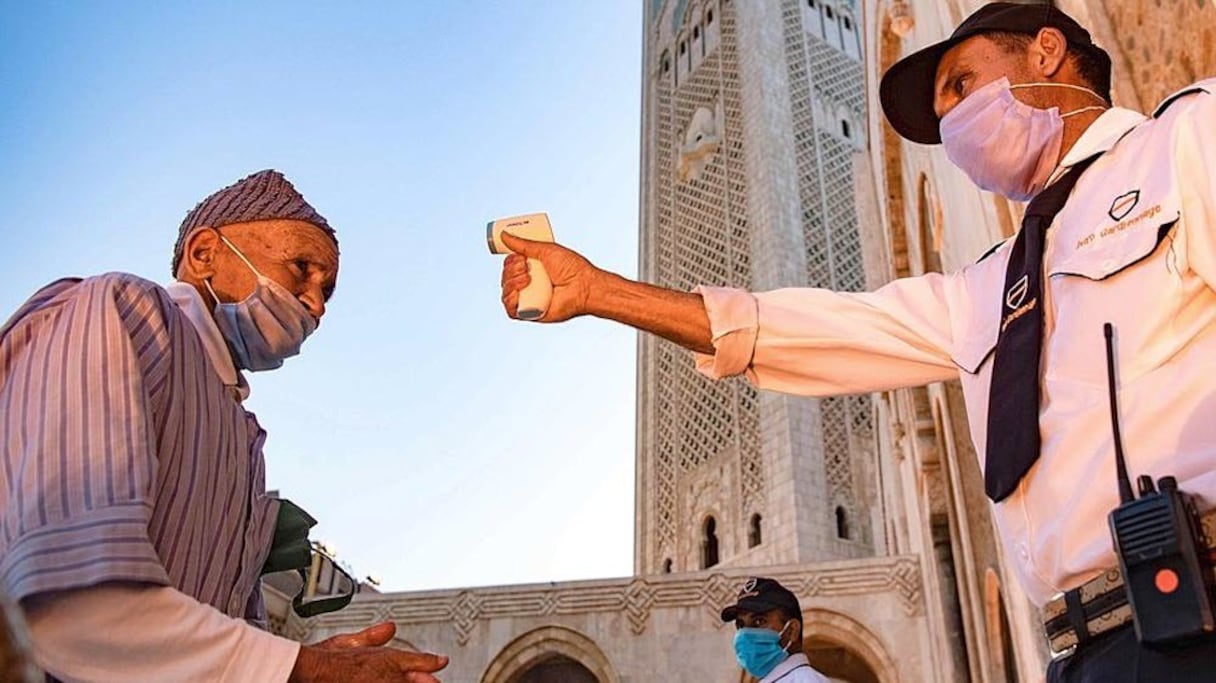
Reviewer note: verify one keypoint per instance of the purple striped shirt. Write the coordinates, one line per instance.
(123, 456)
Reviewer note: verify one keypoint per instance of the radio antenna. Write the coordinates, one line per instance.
(1125, 484)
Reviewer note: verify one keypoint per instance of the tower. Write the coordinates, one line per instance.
(753, 124)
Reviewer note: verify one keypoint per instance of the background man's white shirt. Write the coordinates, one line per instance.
(795, 669)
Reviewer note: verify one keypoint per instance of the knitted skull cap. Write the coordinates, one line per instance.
(265, 195)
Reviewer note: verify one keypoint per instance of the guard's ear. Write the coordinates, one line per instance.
(198, 254)
(1047, 52)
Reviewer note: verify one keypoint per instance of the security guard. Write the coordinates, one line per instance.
(768, 633)
(1120, 230)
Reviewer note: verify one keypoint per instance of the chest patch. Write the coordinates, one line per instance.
(1124, 204)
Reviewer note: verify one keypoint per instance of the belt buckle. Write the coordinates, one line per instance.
(1066, 652)
(1062, 654)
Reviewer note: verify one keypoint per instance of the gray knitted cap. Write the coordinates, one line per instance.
(265, 195)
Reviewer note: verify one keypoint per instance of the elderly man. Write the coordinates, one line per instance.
(1120, 229)
(135, 518)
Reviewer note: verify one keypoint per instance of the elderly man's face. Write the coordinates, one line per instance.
(971, 65)
(297, 255)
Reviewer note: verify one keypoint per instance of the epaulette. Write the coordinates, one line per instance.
(1206, 86)
(991, 250)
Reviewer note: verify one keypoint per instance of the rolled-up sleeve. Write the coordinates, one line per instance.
(817, 342)
(78, 449)
(733, 321)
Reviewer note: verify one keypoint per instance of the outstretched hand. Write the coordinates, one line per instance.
(570, 274)
(362, 657)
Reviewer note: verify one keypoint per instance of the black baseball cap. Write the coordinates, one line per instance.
(759, 595)
(906, 90)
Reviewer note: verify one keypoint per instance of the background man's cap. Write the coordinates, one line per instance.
(907, 88)
(760, 595)
(265, 195)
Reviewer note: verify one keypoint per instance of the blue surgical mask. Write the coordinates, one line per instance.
(266, 327)
(759, 650)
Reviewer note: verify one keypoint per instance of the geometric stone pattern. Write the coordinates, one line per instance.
(824, 81)
(700, 236)
(636, 598)
(1168, 45)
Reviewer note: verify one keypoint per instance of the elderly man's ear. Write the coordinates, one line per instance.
(198, 255)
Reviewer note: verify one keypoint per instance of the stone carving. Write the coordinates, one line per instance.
(636, 598)
(701, 141)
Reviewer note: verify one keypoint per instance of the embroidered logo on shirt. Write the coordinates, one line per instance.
(1124, 204)
(1122, 226)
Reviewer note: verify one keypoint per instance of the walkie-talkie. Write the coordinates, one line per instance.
(1157, 540)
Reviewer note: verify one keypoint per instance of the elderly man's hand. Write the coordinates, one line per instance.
(362, 657)
(571, 274)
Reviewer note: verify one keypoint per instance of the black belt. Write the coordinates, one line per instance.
(1100, 604)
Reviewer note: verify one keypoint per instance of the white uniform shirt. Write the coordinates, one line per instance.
(795, 669)
(1135, 246)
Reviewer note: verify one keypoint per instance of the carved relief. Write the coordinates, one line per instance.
(637, 598)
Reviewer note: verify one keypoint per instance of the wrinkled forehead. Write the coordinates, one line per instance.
(284, 237)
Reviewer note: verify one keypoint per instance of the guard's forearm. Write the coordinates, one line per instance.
(679, 317)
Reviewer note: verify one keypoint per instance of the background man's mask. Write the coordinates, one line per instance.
(759, 650)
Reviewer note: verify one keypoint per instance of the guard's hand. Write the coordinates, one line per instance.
(570, 273)
(362, 657)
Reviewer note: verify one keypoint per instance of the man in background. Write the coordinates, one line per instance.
(768, 633)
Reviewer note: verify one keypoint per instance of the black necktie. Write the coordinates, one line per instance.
(1013, 397)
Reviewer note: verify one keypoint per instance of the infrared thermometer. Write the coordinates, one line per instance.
(533, 299)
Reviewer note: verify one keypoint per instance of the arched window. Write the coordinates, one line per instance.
(666, 62)
(928, 221)
(696, 32)
(683, 48)
(709, 16)
(753, 532)
(842, 523)
(810, 3)
(848, 23)
(709, 545)
(667, 566)
(844, 128)
(827, 9)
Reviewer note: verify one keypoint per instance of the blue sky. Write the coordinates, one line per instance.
(439, 443)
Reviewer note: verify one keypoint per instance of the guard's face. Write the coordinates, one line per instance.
(971, 65)
(298, 255)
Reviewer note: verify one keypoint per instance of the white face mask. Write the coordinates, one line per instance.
(265, 328)
(1003, 144)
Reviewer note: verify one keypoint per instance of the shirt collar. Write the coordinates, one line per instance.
(1101, 136)
(194, 308)
(792, 662)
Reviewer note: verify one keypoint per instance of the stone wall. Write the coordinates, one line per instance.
(648, 628)
(1165, 44)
